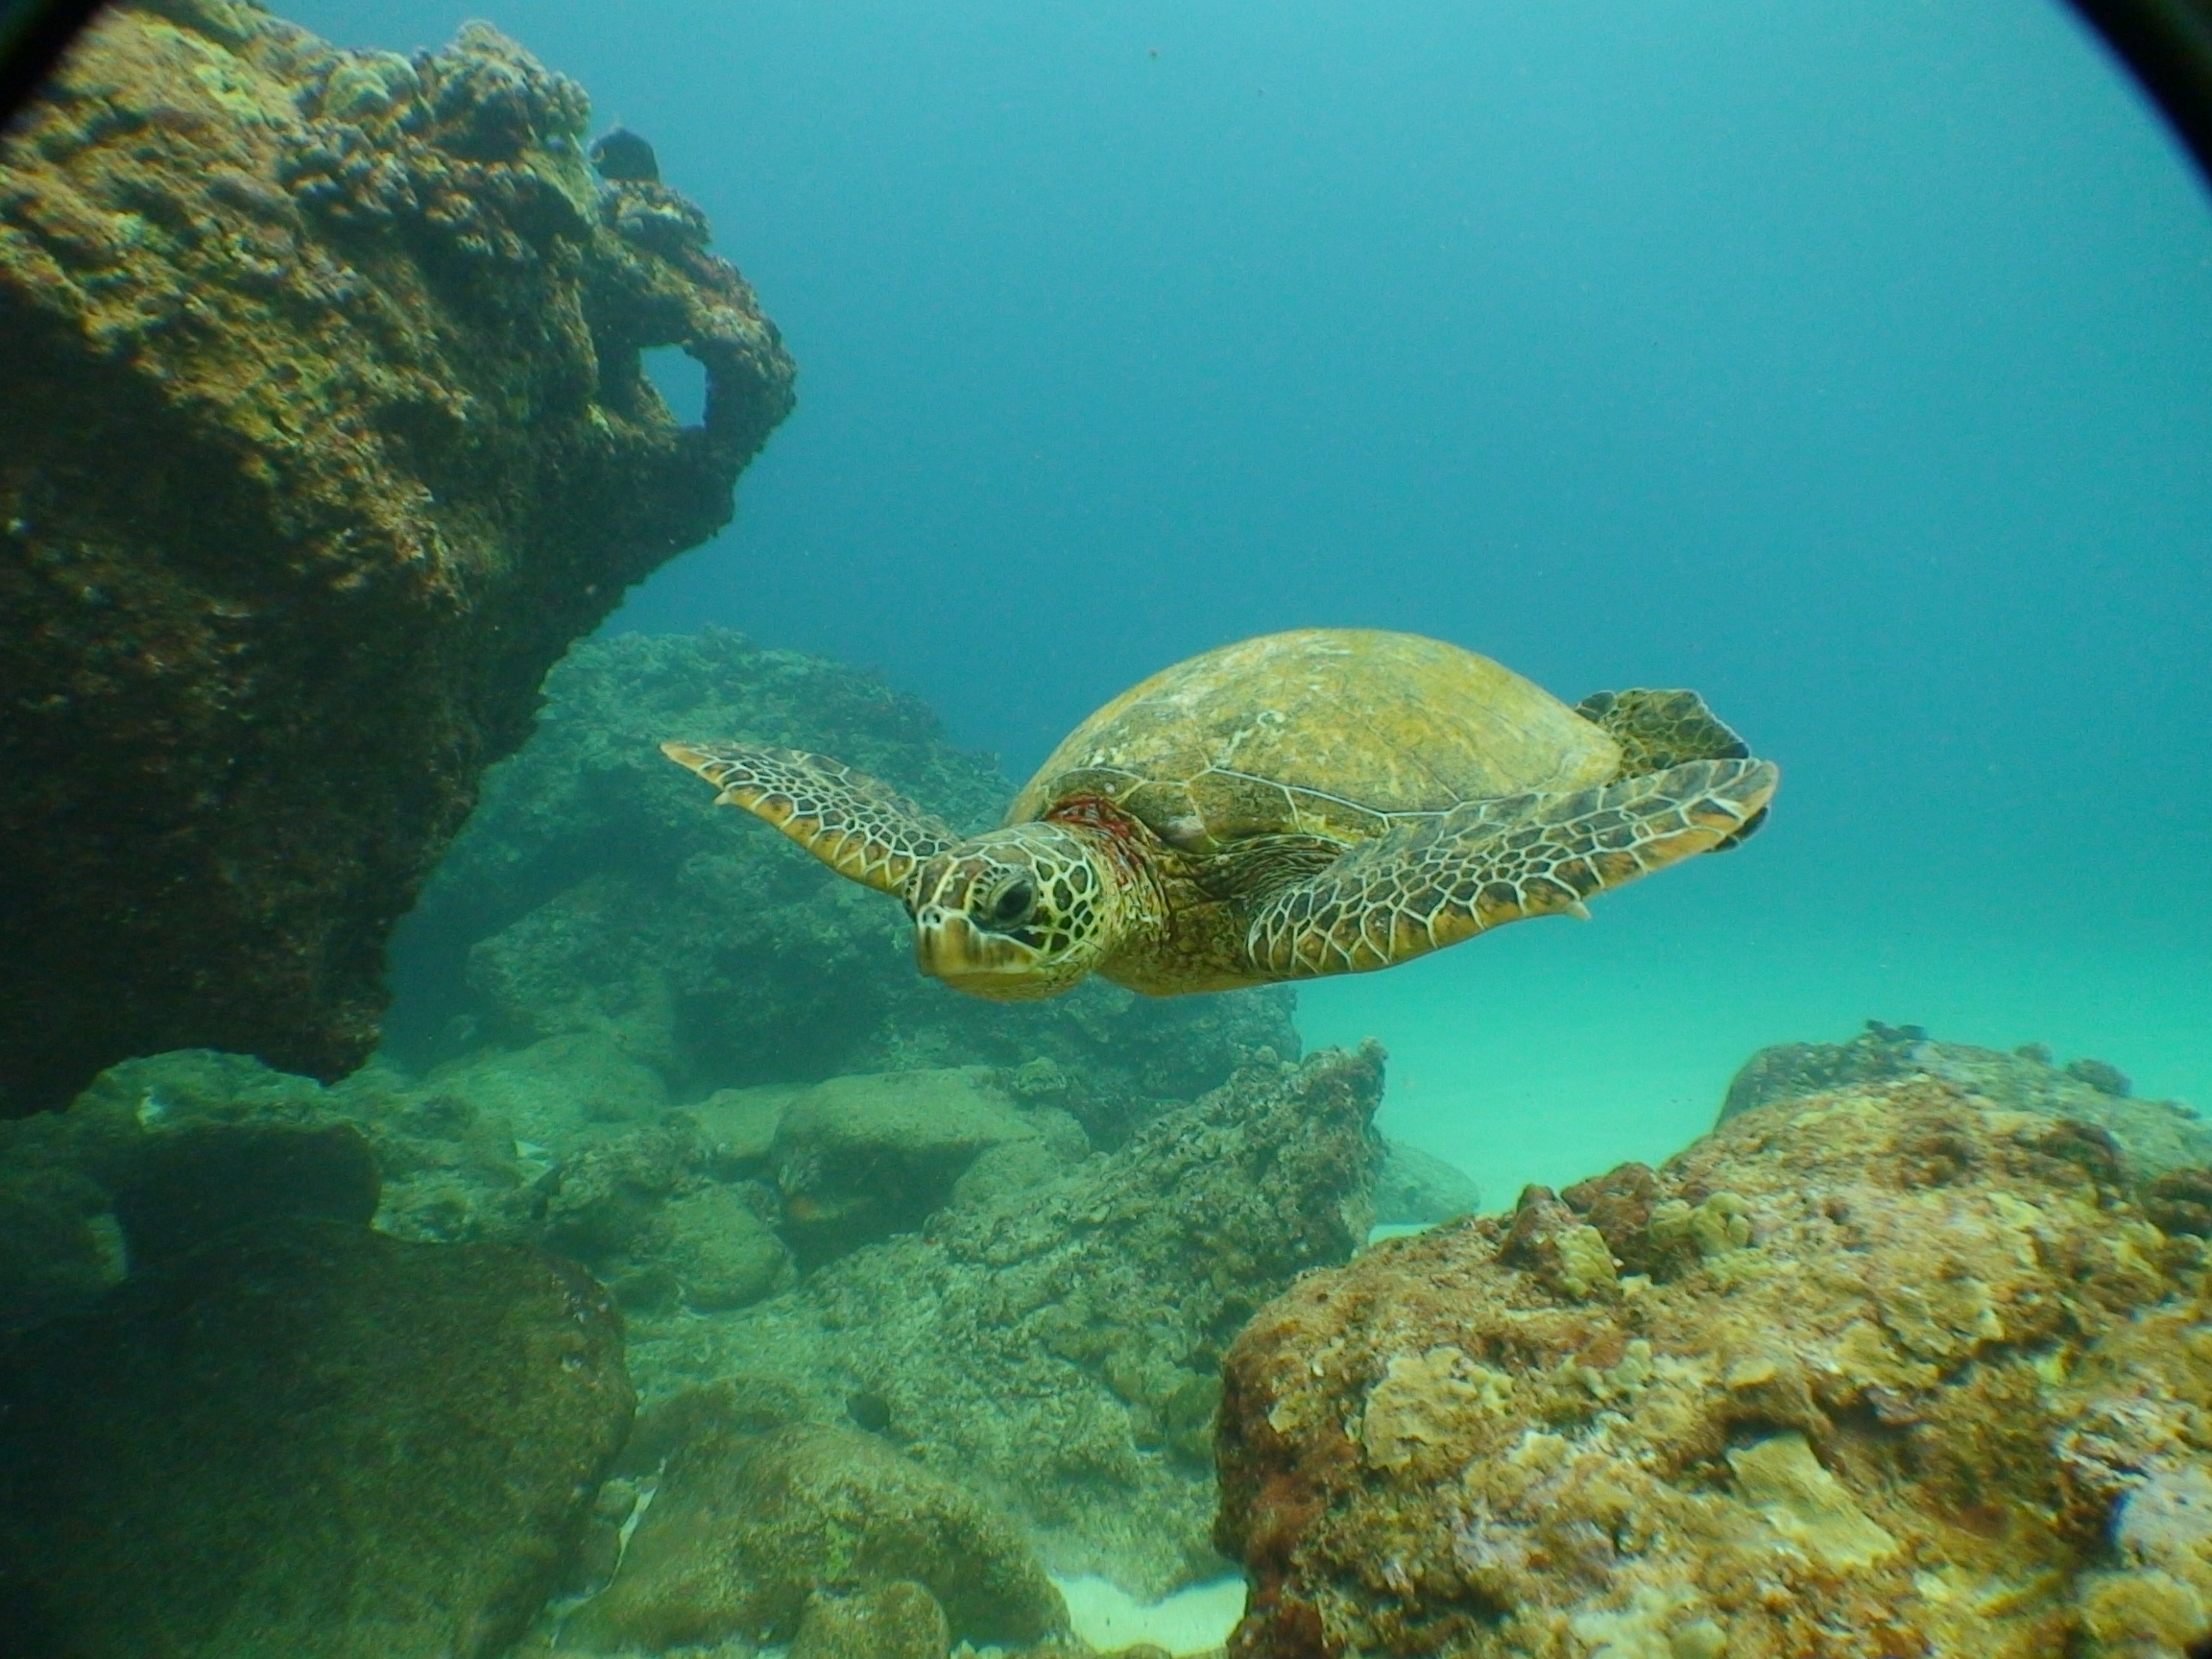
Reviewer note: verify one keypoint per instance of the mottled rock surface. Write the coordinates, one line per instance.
(748, 1527)
(601, 893)
(307, 1440)
(936, 1258)
(1888, 1370)
(1051, 1339)
(2152, 1137)
(860, 1158)
(899, 1620)
(165, 1153)
(323, 433)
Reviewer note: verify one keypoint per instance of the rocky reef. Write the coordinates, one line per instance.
(1052, 1337)
(599, 899)
(941, 1286)
(932, 1261)
(323, 433)
(305, 1438)
(1884, 1366)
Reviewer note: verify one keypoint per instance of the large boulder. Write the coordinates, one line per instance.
(305, 1441)
(164, 1154)
(860, 1158)
(323, 433)
(1886, 1369)
(748, 1527)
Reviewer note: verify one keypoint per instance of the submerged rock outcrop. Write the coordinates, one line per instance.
(2150, 1138)
(750, 1530)
(933, 1260)
(323, 433)
(1052, 1337)
(305, 1439)
(1887, 1368)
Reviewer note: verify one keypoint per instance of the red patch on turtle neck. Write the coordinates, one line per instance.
(1122, 833)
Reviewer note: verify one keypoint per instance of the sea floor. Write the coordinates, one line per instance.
(1552, 1051)
(1196, 1620)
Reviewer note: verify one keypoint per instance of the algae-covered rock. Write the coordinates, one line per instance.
(2154, 1137)
(160, 1156)
(194, 1184)
(305, 1441)
(552, 1090)
(323, 433)
(597, 892)
(672, 1209)
(741, 1125)
(647, 1212)
(859, 1157)
(174, 1149)
(897, 1620)
(721, 1251)
(748, 1527)
(1882, 1370)
(1052, 1340)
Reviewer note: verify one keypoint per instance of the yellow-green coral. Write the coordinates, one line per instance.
(1889, 1377)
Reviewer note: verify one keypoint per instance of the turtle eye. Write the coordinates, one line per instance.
(1015, 903)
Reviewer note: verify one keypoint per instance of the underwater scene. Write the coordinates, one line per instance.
(768, 770)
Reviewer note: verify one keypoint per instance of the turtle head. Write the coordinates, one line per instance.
(1016, 915)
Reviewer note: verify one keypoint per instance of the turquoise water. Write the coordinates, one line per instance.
(1551, 1053)
(1851, 363)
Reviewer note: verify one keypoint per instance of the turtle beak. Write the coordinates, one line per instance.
(948, 947)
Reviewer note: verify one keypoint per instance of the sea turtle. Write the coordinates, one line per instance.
(1328, 801)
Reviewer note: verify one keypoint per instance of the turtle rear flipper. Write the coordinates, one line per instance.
(863, 830)
(1661, 729)
(1439, 879)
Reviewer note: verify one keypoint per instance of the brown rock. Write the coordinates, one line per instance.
(1878, 1374)
(323, 433)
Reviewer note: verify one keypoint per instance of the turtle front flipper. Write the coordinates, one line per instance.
(1438, 879)
(860, 828)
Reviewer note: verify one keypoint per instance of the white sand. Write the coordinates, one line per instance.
(1190, 1620)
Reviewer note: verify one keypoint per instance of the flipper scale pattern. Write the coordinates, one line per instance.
(1441, 878)
(863, 830)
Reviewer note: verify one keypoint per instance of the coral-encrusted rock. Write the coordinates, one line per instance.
(1886, 1371)
(748, 1527)
(323, 433)
(305, 1441)
(2152, 1137)
(1051, 1339)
